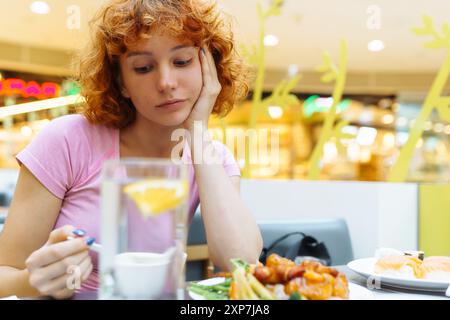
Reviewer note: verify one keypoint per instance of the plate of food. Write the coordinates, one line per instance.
(405, 270)
(279, 279)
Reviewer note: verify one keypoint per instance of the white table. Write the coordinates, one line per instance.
(390, 293)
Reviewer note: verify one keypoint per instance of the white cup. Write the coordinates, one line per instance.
(141, 275)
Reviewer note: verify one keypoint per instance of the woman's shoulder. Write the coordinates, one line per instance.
(74, 132)
(72, 121)
(76, 126)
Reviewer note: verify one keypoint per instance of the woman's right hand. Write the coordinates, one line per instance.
(60, 266)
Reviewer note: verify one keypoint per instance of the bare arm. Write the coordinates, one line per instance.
(231, 229)
(30, 220)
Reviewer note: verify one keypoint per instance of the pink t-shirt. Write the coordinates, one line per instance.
(67, 157)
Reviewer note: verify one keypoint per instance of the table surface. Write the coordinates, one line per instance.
(390, 293)
(385, 293)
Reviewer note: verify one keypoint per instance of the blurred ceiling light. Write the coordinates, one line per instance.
(375, 45)
(270, 40)
(366, 136)
(293, 70)
(330, 152)
(26, 131)
(389, 140)
(385, 103)
(402, 121)
(428, 126)
(40, 7)
(275, 112)
(402, 137)
(350, 130)
(439, 128)
(12, 110)
(365, 155)
(366, 116)
(388, 119)
(447, 129)
(353, 152)
(324, 102)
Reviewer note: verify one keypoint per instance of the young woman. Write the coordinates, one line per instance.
(153, 66)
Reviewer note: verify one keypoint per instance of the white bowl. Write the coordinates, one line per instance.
(141, 275)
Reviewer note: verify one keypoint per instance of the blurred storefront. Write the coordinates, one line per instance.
(379, 126)
(19, 121)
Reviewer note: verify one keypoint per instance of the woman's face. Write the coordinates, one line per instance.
(161, 70)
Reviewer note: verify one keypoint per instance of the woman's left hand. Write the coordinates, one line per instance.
(210, 91)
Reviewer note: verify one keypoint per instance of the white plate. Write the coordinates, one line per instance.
(356, 292)
(365, 268)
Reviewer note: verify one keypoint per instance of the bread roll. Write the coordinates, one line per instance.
(400, 266)
(437, 268)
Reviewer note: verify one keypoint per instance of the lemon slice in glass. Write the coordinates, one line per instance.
(156, 196)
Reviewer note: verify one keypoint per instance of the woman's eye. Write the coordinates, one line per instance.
(182, 63)
(144, 69)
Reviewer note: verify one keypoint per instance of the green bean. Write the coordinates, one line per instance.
(209, 295)
(215, 288)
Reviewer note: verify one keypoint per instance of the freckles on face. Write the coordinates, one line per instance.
(161, 69)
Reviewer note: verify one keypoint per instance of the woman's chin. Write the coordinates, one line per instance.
(168, 119)
(175, 120)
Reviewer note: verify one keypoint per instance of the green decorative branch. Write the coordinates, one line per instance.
(256, 55)
(443, 108)
(337, 74)
(281, 95)
(339, 135)
(434, 99)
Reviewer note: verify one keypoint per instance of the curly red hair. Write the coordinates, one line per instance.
(122, 23)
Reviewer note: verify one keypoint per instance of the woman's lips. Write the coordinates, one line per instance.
(172, 104)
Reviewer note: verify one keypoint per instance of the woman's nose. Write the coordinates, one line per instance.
(167, 79)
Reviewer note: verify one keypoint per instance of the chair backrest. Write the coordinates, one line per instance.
(3, 212)
(333, 233)
(198, 264)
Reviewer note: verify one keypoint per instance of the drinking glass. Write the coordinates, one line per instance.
(144, 205)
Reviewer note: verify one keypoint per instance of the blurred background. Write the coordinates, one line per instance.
(389, 75)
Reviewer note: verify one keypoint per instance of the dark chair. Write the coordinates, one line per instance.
(4, 199)
(333, 232)
(198, 265)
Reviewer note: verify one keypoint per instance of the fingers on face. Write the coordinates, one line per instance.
(209, 70)
(206, 71)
